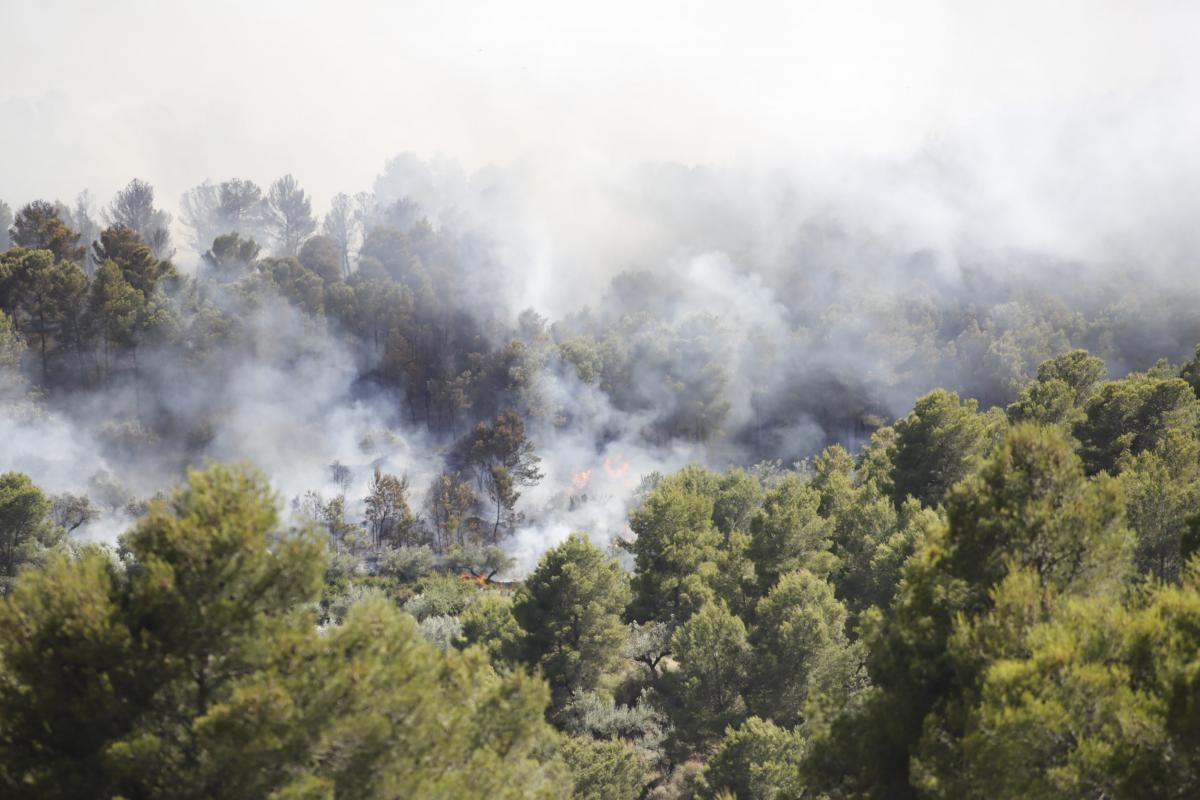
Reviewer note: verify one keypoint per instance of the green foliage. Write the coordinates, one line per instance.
(198, 673)
(757, 761)
(322, 255)
(441, 632)
(648, 644)
(1032, 506)
(596, 715)
(207, 582)
(295, 283)
(44, 298)
(708, 690)
(1160, 503)
(489, 623)
(39, 226)
(442, 595)
(341, 567)
(738, 494)
(27, 530)
(1098, 701)
(734, 581)
(675, 553)
(880, 575)
(122, 315)
(936, 445)
(581, 353)
(134, 256)
(1050, 402)
(1018, 588)
(480, 560)
(1028, 526)
(394, 718)
(1029, 511)
(603, 769)
(11, 348)
(1077, 369)
(788, 533)
(874, 464)
(804, 667)
(1190, 371)
(570, 609)
(1063, 385)
(71, 511)
(230, 257)
(1133, 415)
(870, 538)
(407, 563)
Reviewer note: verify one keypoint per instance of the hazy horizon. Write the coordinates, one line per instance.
(851, 182)
(329, 93)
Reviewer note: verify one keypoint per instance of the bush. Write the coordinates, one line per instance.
(441, 631)
(407, 563)
(442, 596)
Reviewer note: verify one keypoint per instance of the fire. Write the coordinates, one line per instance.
(467, 577)
(580, 481)
(616, 469)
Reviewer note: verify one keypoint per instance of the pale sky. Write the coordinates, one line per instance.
(94, 93)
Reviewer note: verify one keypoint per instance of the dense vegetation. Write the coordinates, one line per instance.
(993, 598)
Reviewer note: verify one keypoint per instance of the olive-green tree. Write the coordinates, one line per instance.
(27, 528)
(570, 610)
(788, 533)
(804, 667)
(675, 553)
(707, 692)
(39, 226)
(757, 761)
(197, 671)
(1133, 415)
(937, 444)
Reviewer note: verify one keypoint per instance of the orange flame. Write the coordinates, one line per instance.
(616, 469)
(580, 480)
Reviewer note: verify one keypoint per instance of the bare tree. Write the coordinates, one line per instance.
(289, 215)
(341, 475)
(6, 219)
(343, 224)
(134, 208)
(72, 511)
(89, 229)
(388, 513)
(213, 210)
(201, 206)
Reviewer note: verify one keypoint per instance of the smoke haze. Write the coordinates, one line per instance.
(799, 209)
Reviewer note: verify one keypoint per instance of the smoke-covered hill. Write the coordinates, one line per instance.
(672, 315)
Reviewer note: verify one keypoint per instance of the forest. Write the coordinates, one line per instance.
(301, 505)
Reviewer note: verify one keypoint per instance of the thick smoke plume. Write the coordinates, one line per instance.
(759, 316)
(714, 276)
